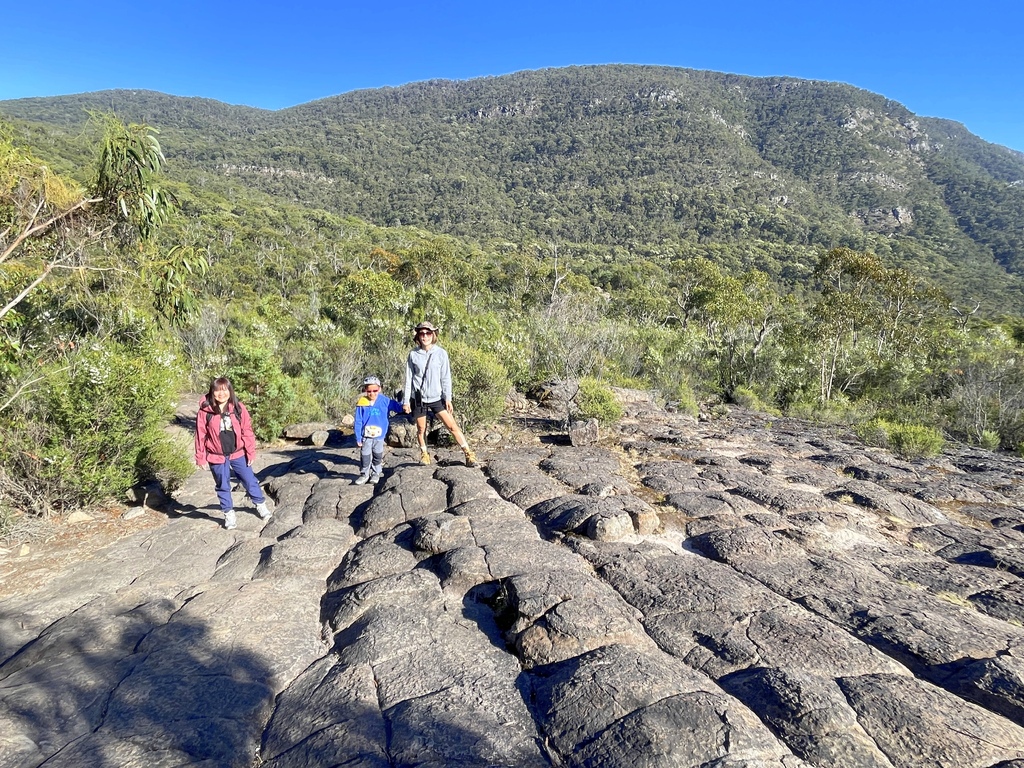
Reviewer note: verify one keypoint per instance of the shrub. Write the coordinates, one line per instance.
(749, 398)
(595, 400)
(167, 460)
(686, 400)
(94, 428)
(836, 411)
(911, 441)
(989, 440)
(480, 384)
(875, 432)
(680, 395)
(274, 399)
(330, 361)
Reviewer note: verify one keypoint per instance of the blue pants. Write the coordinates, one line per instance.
(222, 479)
(371, 457)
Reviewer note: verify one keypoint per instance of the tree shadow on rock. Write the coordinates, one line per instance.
(116, 684)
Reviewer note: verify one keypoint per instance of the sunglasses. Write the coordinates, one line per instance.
(372, 389)
(424, 333)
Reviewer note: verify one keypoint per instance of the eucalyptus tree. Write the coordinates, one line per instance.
(873, 328)
(52, 223)
(87, 384)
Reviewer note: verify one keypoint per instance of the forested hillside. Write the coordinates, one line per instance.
(797, 246)
(766, 170)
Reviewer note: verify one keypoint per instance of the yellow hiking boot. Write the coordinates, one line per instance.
(470, 457)
(424, 456)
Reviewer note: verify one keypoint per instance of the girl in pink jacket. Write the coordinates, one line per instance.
(225, 442)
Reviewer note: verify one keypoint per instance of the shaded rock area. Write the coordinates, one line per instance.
(739, 592)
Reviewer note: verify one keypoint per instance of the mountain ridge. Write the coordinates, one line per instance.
(614, 156)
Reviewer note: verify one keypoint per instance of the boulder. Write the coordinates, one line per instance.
(584, 432)
(305, 430)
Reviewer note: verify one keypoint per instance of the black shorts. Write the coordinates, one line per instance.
(419, 408)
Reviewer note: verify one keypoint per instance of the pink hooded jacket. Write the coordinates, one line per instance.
(208, 448)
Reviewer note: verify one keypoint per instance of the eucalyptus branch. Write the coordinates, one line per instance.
(84, 268)
(17, 299)
(35, 213)
(30, 230)
(25, 233)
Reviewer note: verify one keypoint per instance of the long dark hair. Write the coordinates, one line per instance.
(222, 383)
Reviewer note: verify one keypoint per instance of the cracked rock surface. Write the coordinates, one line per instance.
(746, 592)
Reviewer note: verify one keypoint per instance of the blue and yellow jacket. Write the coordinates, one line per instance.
(372, 418)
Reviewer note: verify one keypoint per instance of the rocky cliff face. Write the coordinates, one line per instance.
(742, 592)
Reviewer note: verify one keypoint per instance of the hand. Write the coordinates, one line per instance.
(248, 462)
(358, 444)
(448, 406)
(406, 408)
(204, 465)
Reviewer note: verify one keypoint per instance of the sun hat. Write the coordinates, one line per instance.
(426, 326)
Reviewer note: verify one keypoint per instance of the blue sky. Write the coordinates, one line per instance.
(961, 61)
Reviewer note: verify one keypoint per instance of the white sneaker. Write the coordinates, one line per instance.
(375, 478)
(229, 519)
(263, 511)
(361, 480)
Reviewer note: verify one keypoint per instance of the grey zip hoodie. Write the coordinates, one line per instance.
(436, 384)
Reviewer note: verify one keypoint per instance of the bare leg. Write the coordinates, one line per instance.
(421, 435)
(421, 432)
(449, 421)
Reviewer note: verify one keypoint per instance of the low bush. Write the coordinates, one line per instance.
(273, 398)
(480, 385)
(837, 411)
(750, 398)
(989, 440)
(908, 441)
(912, 441)
(875, 432)
(595, 400)
(686, 400)
(168, 460)
(678, 397)
(93, 428)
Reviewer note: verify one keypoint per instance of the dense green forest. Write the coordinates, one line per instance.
(749, 172)
(797, 246)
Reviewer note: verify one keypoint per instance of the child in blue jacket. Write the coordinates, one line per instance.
(373, 411)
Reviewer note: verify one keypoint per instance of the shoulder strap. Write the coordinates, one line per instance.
(211, 414)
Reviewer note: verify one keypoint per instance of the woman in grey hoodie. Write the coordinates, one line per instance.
(428, 389)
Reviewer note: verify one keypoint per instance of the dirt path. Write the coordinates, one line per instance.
(40, 550)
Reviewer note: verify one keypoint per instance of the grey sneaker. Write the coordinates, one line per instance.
(263, 511)
(375, 478)
(361, 480)
(229, 519)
